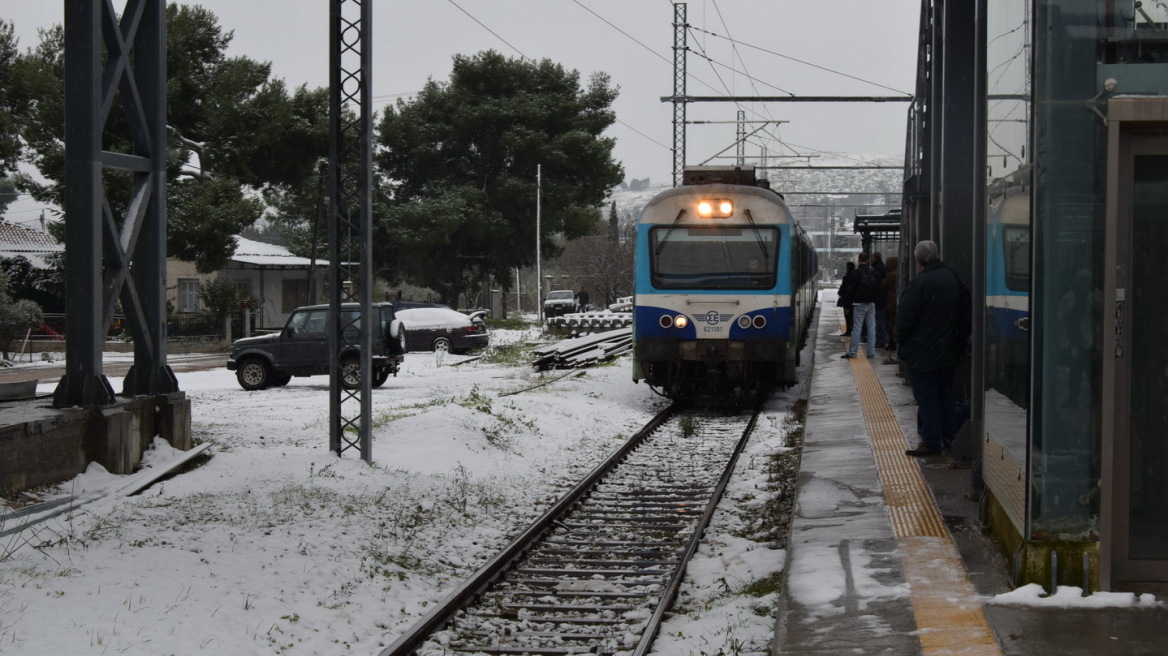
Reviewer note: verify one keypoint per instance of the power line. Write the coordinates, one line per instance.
(804, 62)
(529, 59)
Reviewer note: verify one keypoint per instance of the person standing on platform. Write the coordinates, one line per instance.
(888, 289)
(866, 284)
(927, 336)
(845, 299)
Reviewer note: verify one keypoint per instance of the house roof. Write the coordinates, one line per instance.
(32, 244)
(270, 256)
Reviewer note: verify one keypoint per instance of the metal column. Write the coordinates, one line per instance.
(740, 153)
(679, 100)
(350, 222)
(99, 246)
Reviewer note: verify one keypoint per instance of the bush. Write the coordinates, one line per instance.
(16, 319)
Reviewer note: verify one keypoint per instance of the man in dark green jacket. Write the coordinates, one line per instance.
(926, 337)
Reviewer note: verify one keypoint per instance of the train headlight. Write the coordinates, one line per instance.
(715, 208)
(681, 321)
(666, 321)
(759, 321)
(744, 322)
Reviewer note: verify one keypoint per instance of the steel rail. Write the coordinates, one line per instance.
(497, 566)
(670, 593)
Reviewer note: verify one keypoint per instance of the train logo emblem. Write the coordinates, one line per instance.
(713, 317)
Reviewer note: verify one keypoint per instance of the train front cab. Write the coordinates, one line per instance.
(713, 311)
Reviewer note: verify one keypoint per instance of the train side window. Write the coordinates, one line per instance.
(1016, 241)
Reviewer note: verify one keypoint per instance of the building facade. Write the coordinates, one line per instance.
(1038, 160)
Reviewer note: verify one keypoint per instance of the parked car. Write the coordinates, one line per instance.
(559, 301)
(302, 349)
(442, 329)
(409, 305)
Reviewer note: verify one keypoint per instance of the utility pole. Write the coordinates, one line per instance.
(350, 224)
(679, 48)
(538, 245)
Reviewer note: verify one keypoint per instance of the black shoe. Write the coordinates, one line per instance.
(845, 334)
(847, 356)
(922, 450)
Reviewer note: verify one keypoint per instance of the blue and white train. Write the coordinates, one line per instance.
(725, 288)
(1008, 289)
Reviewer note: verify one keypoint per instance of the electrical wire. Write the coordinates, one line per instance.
(801, 61)
(529, 59)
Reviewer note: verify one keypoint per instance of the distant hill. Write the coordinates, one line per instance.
(810, 194)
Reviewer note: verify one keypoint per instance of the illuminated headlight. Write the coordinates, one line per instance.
(681, 321)
(666, 321)
(715, 208)
(744, 322)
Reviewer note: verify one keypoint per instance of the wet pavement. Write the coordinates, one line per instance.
(842, 543)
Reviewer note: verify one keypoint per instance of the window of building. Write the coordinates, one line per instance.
(188, 295)
(294, 294)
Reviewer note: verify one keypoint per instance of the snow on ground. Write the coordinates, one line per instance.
(1070, 596)
(276, 546)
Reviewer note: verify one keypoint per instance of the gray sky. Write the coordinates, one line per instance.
(871, 40)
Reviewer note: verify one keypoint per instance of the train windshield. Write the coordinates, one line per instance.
(714, 258)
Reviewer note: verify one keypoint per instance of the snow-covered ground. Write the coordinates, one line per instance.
(276, 546)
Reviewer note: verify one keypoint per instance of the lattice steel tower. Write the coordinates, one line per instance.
(350, 222)
(115, 248)
(679, 100)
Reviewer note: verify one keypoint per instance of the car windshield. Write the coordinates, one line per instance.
(559, 296)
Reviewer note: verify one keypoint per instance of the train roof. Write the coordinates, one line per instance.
(758, 196)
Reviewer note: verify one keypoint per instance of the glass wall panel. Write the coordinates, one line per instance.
(1008, 232)
(1069, 210)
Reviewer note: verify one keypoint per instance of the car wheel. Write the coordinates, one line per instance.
(441, 344)
(254, 374)
(280, 380)
(380, 377)
(351, 374)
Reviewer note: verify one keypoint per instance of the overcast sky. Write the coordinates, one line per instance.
(864, 41)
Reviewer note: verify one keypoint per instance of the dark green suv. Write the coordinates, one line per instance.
(302, 349)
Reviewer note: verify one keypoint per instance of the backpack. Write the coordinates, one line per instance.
(868, 287)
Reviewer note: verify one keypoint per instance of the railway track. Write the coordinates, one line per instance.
(597, 573)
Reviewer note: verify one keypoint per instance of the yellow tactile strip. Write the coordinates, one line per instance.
(910, 503)
(948, 613)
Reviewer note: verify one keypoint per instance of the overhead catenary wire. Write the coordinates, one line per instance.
(802, 61)
(529, 59)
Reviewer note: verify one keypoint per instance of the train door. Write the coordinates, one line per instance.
(1134, 545)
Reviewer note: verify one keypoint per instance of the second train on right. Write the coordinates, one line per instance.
(725, 288)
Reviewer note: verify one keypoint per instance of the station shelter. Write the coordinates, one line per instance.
(1037, 158)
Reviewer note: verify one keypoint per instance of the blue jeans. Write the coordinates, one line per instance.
(936, 411)
(863, 318)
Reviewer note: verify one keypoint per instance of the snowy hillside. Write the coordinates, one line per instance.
(810, 194)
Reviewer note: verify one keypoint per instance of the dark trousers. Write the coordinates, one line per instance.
(848, 319)
(936, 411)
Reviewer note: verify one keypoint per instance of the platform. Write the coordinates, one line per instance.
(886, 555)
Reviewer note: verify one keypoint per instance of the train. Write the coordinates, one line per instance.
(1008, 289)
(724, 288)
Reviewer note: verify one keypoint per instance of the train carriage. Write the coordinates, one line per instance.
(724, 289)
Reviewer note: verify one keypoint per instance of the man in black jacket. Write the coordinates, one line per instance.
(927, 339)
(865, 286)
